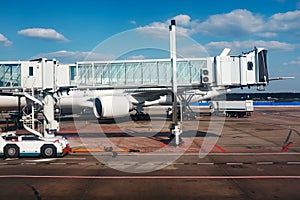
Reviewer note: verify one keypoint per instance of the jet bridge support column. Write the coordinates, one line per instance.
(51, 126)
(175, 126)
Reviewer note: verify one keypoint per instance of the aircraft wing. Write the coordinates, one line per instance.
(147, 94)
(280, 78)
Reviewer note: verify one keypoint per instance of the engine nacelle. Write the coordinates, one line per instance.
(111, 106)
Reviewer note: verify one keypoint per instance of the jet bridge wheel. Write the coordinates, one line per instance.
(48, 151)
(11, 151)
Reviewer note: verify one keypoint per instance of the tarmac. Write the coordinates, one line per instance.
(265, 131)
(257, 157)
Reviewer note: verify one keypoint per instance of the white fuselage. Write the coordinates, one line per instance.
(8, 103)
(77, 101)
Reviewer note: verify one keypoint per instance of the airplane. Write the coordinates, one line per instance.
(220, 75)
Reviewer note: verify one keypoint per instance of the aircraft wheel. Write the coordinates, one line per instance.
(140, 117)
(147, 116)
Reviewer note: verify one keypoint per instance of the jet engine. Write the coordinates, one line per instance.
(111, 106)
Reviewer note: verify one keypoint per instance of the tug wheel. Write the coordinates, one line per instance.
(11, 151)
(48, 151)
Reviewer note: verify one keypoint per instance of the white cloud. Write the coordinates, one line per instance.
(183, 20)
(288, 21)
(137, 57)
(192, 51)
(236, 23)
(184, 26)
(43, 33)
(243, 22)
(249, 44)
(156, 29)
(293, 62)
(5, 41)
(132, 22)
(267, 35)
(73, 56)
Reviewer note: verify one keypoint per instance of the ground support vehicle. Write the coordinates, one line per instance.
(233, 108)
(13, 146)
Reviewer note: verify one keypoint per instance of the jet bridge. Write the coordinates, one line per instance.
(34, 74)
(245, 70)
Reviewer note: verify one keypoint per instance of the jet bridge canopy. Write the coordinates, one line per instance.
(137, 72)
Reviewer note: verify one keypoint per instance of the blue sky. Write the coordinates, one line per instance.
(70, 30)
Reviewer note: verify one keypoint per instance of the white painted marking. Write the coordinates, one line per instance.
(87, 163)
(234, 163)
(170, 167)
(120, 164)
(42, 160)
(264, 163)
(169, 163)
(181, 163)
(28, 163)
(72, 158)
(205, 163)
(151, 165)
(293, 163)
(9, 159)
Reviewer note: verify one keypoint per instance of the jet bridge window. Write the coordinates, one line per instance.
(10, 75)
(250, 65)
(30, 73)
(72, 73)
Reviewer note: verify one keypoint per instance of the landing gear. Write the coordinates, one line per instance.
(140, 115)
